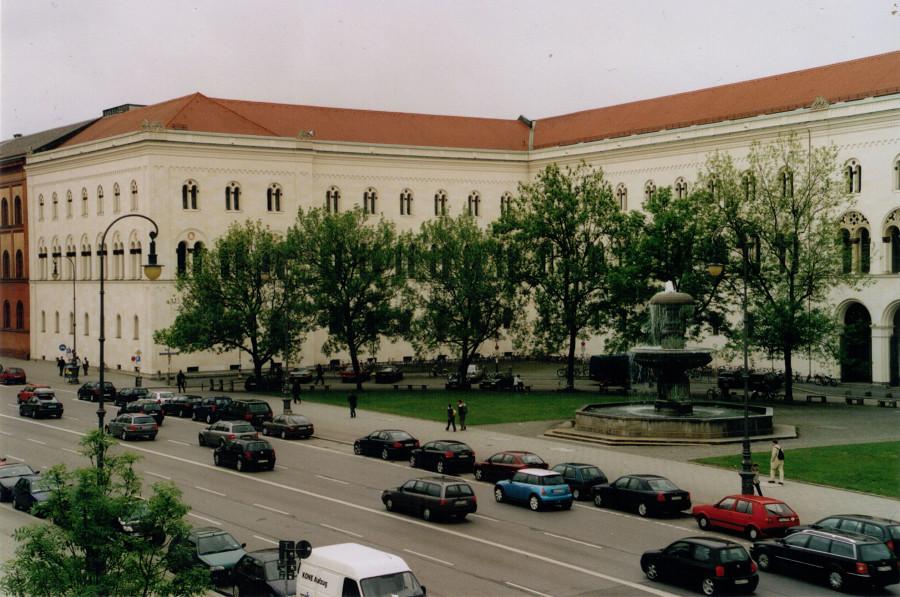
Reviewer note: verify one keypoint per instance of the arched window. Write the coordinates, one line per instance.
(85, 260)
(54, 214)
(506, 200)
(406, 198)
(440, 203)
(189, 192)
(181, 258)
(99, 201)
(134, 252)
(41, 207)
(681, 188)
(118, 326)
(853, 174)
(649, 190)
(273, 197)
(20, 264)
(43, 322)
(6, 315)
(856, 242)
(84, 202)
(865, 251)
(332, 200)
(20, 315)
(748, 185)
(117, 198)
(134, 195)
(137, 327)
(6, 266)
(893, 237)
(787, 182)
(370, 197)
(233, 197)
(474, 205)
(622, 196)
(17, 211)
(87, 324)
(56, 322)
(4, 212)
(198, 255)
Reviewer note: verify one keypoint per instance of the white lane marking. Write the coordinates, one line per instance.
(271, 509)
(483, 517)
(161, 476)
(432, 558)
(632, 517)
(378, 512)
(37, 441)
(333, 479)
(212, 491)
(562, 449)
(284, 468)
(71, 451)
(339, 530)
(72, 418)
(16, 406)
(175, 441)
(266, 539)
(11, 457)
(526, 589)
(574, 540)
(5, 433)
(205, 519)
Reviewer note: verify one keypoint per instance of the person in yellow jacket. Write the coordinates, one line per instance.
(776, 463)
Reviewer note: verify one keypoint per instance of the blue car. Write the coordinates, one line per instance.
(536, 487)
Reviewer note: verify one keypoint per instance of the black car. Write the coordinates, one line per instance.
(138, 522)
(389, 374)
(498, 381)
(182, 405)
(213, 548)
(252, 410)
(147, 407)
(581, 478)
(41, 405)
(30, 490)
(387, 443)
(838, 558)
(645, 494)
(707, 563)
(131, 425)
(210, 408)
(443, 456)
(91, 391)
(286, 426)
(9, 475)
(244, 454)
(432, 497)
(126, 395)
(257, 575)
(874, 526)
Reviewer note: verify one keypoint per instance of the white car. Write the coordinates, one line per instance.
(161, 396)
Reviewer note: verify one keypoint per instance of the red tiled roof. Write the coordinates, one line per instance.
(856, 79)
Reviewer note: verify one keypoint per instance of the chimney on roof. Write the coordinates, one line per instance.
(17, 135)
(122, 108)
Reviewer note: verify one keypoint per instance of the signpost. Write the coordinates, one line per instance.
(168, 353)
(289, 552)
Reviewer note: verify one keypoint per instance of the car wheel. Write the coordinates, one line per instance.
(239, 465)
(651, 571)
(194, 417)
(703, 522)
(642, 509)
(412, 460)
(283, 434)
(216, 459)
(357, 449)
(498, 495)
(389, 504)
(426, 513)
(440, 466)
(598, 500)
(836, 579)
(209, 418)
(385, 455)
(752, 533)
(708, 586)
(763, 561)
(124, 435)
(200, 439)
(534, 503)
(479, 475)
(221, 442)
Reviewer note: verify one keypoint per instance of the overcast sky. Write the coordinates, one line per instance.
(66, 60)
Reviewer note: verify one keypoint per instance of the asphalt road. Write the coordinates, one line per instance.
(323, 493)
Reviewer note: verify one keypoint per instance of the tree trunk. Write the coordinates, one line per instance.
(464, 366)
(788, 375)
(570, 362)
(354, 360)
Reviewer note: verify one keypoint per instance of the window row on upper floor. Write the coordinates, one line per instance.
(14, 218)
(858, 244)
(83, 263)
(84, 210)
(86, 325)
(7, 316)
(10, 270)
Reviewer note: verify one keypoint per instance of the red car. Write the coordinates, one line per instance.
(347, 375)
(747, 514)
(11, 375)
(28, 391)
(503, 465)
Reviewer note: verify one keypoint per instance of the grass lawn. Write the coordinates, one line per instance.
(485, 408)
(872, 468)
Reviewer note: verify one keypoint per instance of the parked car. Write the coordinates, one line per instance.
(161, 396)
(389, 374)
(145, 406)
(581, 478)
(91, 391)
(133, 425)
(432, 498)
(256, 574)
(839, 558)
(9, 474)
(28, 391)
(252, 410)
(645, 494)
(708, 563)
(244, 454)
(498, 381)
(301, 375)
(217, 550)
(536, 487)
(42, 404)
(30, 490)
(286, 426)
(387, 443)
(874, 526)
(137, 522)
(12, 375)
(210, 408)
(748, 514)
(443, 456)
(225, 431)
(182, 405)
(503, 465)
(126, 395)
(347, 375)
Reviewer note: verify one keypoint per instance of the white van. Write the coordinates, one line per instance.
(354, 570)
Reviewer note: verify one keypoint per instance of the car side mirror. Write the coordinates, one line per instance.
(424, 591)
(243, 545)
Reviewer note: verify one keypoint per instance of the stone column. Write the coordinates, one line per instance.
(881, 354)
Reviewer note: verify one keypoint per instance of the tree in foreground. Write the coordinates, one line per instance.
(82, 549)
(241, 295)
(348, 267)
(464, 294)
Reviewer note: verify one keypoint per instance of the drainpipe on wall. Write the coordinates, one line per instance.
(530, 124)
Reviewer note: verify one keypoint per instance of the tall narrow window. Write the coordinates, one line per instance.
(505, 203)
(84, 203)
(440, 203)
(474, 204)
(6, 266)
(118, 326)
(134, 195)
(181, 258)
(54, 213)
(649, 190)
(43, 322)
(748, 185)
(681, 188)
(87, 324)
(189, 192)
(233, 197)
(846, 252)
(4, 212)
(56, 322)
(853, 174)
(20, 315)
(99, 201)
(41, 208)
(117, 198)
(622, 196)
(137, 328)
(69, 210)
(17, 211)
(6, 315)
(370, 197)
(20, 265)
(787, 183)
(406, 198)
(894, 236)
(273, 197)
(864, 251)
(332, 200)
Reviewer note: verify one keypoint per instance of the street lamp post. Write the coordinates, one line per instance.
(56, 276)
(152, 271)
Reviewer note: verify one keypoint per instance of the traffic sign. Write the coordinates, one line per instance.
(137, 359)
(137, 352)
(62, 347)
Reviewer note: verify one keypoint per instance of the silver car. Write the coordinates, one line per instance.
(222, 432)
(133, 425)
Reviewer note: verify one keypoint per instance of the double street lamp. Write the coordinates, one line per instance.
(56, 276)
(152, 270)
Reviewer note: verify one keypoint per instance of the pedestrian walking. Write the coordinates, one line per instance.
(451, 417)
(351, 400)
(181, 381)
(755, 468)
(295, 390)
(776, 463)
(61, 365)
(463, 409)
(320, 375)
(85, 365)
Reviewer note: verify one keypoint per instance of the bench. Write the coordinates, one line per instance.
(885, 402)
(410, 386)
(855, 400)
(820, 397)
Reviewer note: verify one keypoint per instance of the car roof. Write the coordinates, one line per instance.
(848, 535)
(515, 452)
(865, 517)
(204, 531)
(762, 499)
(242, 441)
(44, 390)
(355, 560)
(266, 555)
(646, 476)
(249, 400)
(576, 464)
(448, 441)
(441, 479)
(537, 471)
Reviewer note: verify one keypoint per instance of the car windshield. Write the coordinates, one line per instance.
(243, 428)
(733, 554)
(216, 544)
(870, 552)
(143, 420)
(150, 407)
(256, 446)
(459, 490)
(41, 486)
(894, 530)
(531, 459)
(220, 401)
(662, 485)
(591, 472)
(15, 470)
(399, 435)
(399, 584)
(258, 407)
(45, 396)
(779, 509)
(553, 480)
(459, 448)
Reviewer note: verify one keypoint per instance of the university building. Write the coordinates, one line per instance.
(197, 164)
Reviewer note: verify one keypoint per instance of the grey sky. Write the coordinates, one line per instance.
(66, 60)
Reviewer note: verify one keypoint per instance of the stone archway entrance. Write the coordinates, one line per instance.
(894, 366)
(856, 345)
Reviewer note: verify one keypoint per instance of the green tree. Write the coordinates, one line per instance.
(782, 215)
(348, 266)
(573, 250)
(242, 295)
(85, 552)
(464, 294)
